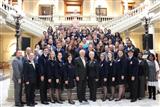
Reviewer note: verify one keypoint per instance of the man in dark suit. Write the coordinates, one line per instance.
(29, 71)
(81, 76)
(43, 76)
(17, 66)
(132, 68)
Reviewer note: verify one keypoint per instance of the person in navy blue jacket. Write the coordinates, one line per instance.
(69, 77)
(52, 67)
(59, 77)
(120, 69)
(103, 75)
(43, 72)
(93, 75)
(132, 69)
(111, 74)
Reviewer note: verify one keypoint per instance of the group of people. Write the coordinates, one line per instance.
(70, 57)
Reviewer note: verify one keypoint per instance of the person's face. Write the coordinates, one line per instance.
(52, 55)
(82, 53)
(91, 55)
(19, 54)
(28, 50)
(109, 55)
(151, 58)
(140, 55)
(59, 45)
(31, 56)
(46, 51)
(37, 47)
(70, 58)
(130, 54)
(102, 57)
(59, 55)
(120, 53)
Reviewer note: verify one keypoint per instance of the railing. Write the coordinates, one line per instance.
(79, 18)
(28, 22)
(103, 18)
(131, 18)
(46, 18)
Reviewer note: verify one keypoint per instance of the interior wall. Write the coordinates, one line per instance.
(8, 44)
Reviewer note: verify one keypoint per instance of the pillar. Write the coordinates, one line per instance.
(92, 10)
(152, 31)
(125, 6)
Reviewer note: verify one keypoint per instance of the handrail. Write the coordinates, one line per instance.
(9, 8)
(131, 15)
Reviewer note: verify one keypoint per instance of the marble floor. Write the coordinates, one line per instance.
(4, 85)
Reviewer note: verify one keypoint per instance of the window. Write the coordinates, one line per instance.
(45, 9)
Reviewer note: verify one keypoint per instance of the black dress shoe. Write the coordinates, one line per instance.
(35, 103)
(19, 105)
(53, 101)
(45, 103)
(140, 98)
(60, 102)
(119, 99)
(85, 100)
(133, 100)
(71, 102)
(80, 101)
(103, 99)
(154, 98)
(32, 105)
(111, 99)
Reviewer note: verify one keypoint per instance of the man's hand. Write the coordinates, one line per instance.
(105, 79)
(49, 80)
(19, 81)
(27, 82)
(96, 80)
(132, 78)
(57, 80)
(113, 79)
(66, 82)
(42, 78)
(77, 78)
(122, 77)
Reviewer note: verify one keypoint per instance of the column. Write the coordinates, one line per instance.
(20, 4)
(152, 31)
(92, 10)
(125, 6)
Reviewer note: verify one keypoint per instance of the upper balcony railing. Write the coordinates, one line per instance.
(132, 17)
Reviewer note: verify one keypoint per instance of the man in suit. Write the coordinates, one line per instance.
(81, 76)
(132, 69)
(17, 66)
(43, 75)
(29, 71)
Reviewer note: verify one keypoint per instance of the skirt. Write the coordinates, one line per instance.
(120, 81)
(70, 85)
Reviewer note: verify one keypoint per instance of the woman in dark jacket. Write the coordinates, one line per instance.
(69, 77)
(52, 67)
(103, 75)
(92, 73)
(120, 70)
(111, 75)
(59, 77)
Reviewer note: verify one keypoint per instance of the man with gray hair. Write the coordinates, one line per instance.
(81, 75)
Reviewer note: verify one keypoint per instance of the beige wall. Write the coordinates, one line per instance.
(114, 7)
(8, 44)
(31, 7)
